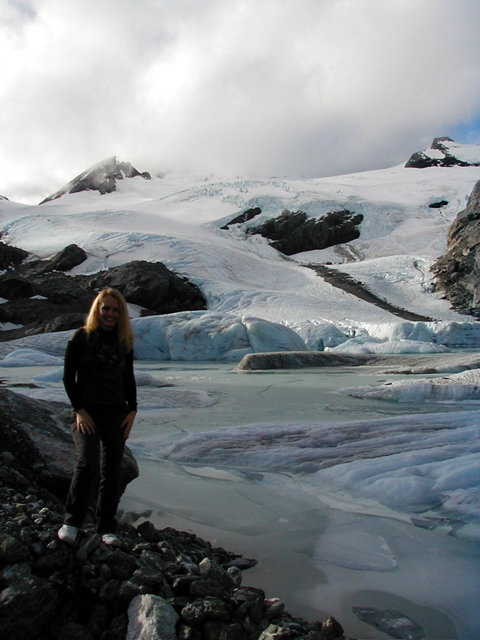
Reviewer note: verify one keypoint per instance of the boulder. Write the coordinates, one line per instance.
(293, 232)
(457, 273)
(68, 258)
(150, 617)
(152, 286)
(26, 606)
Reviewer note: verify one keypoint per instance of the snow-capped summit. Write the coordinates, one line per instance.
(444, 152)
(101, 177)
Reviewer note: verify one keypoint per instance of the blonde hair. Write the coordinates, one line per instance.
(124, 327)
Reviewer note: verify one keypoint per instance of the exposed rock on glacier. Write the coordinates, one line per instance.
(101, 177)
(457, 273)
(293, 232)
(40, 297)
(11, 256)
(247, 215)
(345, 282)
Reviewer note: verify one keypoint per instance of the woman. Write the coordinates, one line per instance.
(99, 381)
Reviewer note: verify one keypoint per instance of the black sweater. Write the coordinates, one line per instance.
(98, 372)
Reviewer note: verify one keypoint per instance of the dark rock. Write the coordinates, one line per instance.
(11, 256)
(26, 607)
(153, 286)
(293, 232)
(457, 273)
(422, 160)
(43, 299)
(233, 632)
(68, 258)
(15, 288)
(438, 205)
(130, 589)
(193, 614)
(122, 564)
(394, 623)
(108, 591)
(51, 561)
(188, 633)
(101, 177)
(243, 217)
(11, 550)
(148, 531)
(332, 629)
(13, 572)
(73, 631)
(117, 629)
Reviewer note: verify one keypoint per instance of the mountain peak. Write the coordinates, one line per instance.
(445, 152)
(101, 177)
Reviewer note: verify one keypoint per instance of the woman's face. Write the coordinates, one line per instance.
(108, 312)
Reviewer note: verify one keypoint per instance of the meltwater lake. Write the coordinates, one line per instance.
(347, 502)
(344, 501)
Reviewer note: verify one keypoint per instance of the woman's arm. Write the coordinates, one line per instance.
(84, 421)
(130, 390)
(129, 384)
(70, 368)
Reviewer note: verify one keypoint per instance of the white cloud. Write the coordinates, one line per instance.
(229, 86)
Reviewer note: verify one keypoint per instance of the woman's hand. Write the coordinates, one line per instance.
(128, 423)
(85, 423)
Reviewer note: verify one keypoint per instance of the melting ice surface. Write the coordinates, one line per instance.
(345, 501)
(349, 498)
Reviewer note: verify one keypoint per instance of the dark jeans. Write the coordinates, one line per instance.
(100, 451)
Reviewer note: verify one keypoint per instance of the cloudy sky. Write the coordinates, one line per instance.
(230, 87)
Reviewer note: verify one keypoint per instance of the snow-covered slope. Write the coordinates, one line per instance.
(177, 220)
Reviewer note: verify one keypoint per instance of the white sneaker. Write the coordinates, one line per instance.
(68, 534)
(111, 540)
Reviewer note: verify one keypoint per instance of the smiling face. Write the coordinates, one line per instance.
(108, 312)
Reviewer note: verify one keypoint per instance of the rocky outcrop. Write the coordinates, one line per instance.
(152, 286)
(11, 256)
(247, 215)
(440, 154)
(293, 232)
(42, 298)
(102, 177)
(457, 273)
(158, 584)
